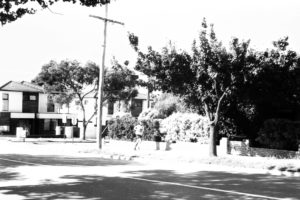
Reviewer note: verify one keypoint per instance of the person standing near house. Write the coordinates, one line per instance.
(139, 131)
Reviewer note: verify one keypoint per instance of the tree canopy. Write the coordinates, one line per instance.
(11, 10)
(272, 89)
(204, 78)
(69, 80)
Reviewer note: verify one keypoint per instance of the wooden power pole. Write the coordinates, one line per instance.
(101, 77)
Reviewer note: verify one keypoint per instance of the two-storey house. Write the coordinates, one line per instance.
(109, 110)
(23, 104)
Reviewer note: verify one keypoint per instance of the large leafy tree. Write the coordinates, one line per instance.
(146, 65)
(69, 80)
(274, 89)
(205, 78)
(11, 10)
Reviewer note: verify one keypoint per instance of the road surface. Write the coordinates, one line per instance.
(43, 177)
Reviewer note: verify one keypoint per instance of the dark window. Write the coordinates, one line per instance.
(77, 102)
(30, 97)
(50, 124)
(30, 102)
(110, 110)
(5, 101)
(4, 96)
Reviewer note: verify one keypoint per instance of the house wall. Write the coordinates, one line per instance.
(89, 104)
(43, 100)
(43, 103)
(15, 101)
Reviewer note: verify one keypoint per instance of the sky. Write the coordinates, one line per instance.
(32, 41)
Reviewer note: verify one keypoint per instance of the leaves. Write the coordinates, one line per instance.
(11, 10)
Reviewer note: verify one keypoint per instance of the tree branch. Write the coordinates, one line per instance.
(88, 121)
(216, 118)
(56, 13)
(89, 92)
(207, 111)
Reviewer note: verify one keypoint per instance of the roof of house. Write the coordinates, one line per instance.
(21, 87)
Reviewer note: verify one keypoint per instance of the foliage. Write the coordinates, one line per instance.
(146, 65)
(149, 127)
(149, 114)
(69, 80)
(189, 127)
(11, 10)
(168, 103)
(279, 134)
(119, 83)
(122, 128)
(272, 89)
(204, 79)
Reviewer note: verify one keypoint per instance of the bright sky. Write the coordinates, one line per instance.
(34, 40)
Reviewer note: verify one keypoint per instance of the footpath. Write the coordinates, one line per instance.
(192, 153)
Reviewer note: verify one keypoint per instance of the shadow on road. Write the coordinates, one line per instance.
(194, 186)
(55, 160)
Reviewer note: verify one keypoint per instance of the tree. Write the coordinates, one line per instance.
(145, 64)
(11, 10)
(204, 79)
(274, 89)
(69, 80)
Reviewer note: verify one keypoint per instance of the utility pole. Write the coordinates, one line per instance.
(101, 76)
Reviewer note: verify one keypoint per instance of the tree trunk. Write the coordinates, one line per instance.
(84, 130)
(148, 98)
(212, 140)
(84, 124)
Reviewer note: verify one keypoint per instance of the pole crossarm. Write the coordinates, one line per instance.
(108, 20)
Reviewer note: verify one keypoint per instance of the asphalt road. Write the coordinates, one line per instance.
(41, 177)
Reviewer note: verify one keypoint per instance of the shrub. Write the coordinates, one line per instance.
(149, 127)
(122, 128)
(278, 134)
(167, 104)
(186, 127)
(149, 114)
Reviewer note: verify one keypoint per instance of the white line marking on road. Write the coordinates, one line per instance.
(207, 188)
(23, 162)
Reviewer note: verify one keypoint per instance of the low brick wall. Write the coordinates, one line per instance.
(274, 153)
(243, 148)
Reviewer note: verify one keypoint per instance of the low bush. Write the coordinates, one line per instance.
(167, 104)
(149, 127)
(278, 134)
(149, 114)
(122, 128)
(189, 127)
